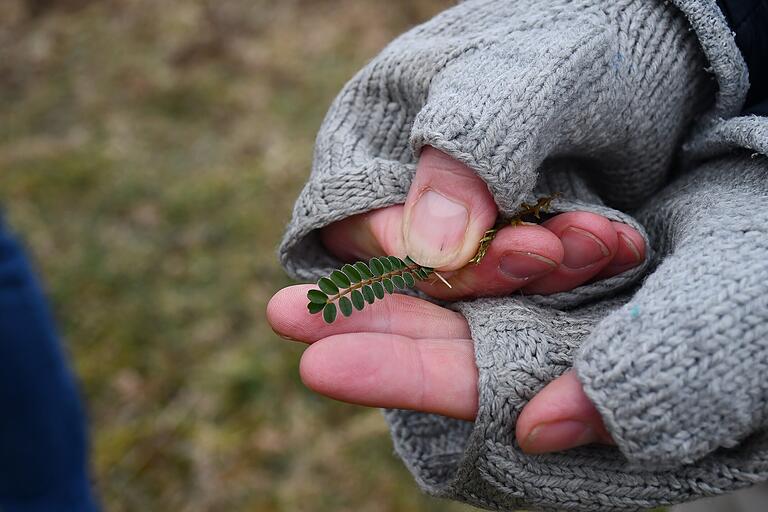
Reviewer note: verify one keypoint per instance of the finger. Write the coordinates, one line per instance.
(364, 236)
(380, 370)
(630, 251)
(448, 210)
(397, 314)
(589, 243)
(560, 417)
(518, 256)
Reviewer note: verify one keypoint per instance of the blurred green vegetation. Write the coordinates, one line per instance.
(150, 152)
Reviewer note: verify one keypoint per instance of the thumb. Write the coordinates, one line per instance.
(560, 417)
(448, 210)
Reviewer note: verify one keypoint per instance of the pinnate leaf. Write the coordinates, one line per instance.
(368, 294)
(362, 267)
(397, 263)
(339, 279)
(315, 307)
(345, 305)
(327, 286)
(352, 273)
(378, 290)
(358, 300)
(329, 313)
(376, 267)
(317, 297)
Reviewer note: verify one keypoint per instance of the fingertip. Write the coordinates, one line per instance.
(518, 256)
(591, 224)
(366, 235)
(560, 417)
(314, 369)
(514, 244)
(280, 310)
(630, 252)
(589, 243)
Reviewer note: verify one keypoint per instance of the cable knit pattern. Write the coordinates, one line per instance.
(600, 100)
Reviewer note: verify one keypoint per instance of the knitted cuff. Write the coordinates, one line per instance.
(330, 197)
(519, 348)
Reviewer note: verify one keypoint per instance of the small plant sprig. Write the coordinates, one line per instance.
(542, 204)
(357, 284)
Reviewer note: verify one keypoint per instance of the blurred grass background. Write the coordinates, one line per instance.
(150, 152)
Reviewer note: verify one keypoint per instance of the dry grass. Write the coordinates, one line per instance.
(150, 153)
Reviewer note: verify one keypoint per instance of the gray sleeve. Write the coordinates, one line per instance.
(680, 371)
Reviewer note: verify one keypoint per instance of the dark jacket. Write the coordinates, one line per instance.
(749, 21)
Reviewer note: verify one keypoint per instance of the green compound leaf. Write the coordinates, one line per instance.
(365, 272)
(339, 279)
(421, 274)
(376, 267)
(345, 305)
(368, 294)
(327, 286)
(355, 285)
(358, 300)
(329, 313)
(378, 290)
(352, 273)
(317, 297)
(314, 307)
(396, 262)
(361, 283)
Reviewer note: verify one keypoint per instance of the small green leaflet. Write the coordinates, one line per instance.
(354, 286)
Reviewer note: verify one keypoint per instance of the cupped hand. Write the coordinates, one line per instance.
(407, 353)
(447, 212)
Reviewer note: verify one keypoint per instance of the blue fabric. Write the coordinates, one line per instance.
(43, 446)
(749, 21)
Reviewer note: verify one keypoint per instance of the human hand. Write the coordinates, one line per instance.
(410, 354)
(449, 209)
(407, 353)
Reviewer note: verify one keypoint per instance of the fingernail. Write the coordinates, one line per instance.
(525, 265)
(558, 436)
(628, 254)
(436, 229)
(582, 248)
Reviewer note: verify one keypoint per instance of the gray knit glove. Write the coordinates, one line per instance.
(677, 370)
(681, 369)
(504, 86)
(592, 99)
